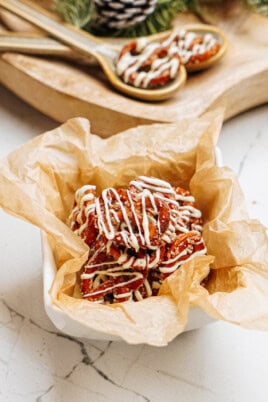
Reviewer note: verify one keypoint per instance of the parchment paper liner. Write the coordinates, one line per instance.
(38, 181)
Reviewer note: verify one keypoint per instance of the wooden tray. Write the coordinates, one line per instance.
(63, 90)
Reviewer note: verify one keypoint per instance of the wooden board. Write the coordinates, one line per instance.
(62, 90)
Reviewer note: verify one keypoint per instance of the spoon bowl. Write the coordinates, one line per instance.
(219, 36)
(156, 94)
(200, 29)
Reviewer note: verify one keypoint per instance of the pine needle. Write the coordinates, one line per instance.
(77, 12)
(260, 6)
(82, 14)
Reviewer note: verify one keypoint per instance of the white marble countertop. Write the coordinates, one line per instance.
(217, 363)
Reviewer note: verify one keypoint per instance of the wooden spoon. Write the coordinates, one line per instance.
(34, 43)
(202, 29)
(87, 44)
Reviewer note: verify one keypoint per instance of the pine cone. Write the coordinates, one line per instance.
(118, 14)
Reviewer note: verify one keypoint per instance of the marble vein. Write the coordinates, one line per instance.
(132, 364)
(86, 359)
(11, 310)
(186, 381)
(246, 155)
(105, 377)
(40, 397)
(4, 362)
(103, 352)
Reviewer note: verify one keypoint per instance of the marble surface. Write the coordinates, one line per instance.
(217, 363)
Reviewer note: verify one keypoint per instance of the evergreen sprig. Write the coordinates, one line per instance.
(77, 12)
(260, 6)
(81, 13)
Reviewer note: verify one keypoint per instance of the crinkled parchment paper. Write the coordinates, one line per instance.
(38, 181)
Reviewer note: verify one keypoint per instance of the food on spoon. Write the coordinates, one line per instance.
(150, 65)
(137, 236)
(147, 65)
(193, 47)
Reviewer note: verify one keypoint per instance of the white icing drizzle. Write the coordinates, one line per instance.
(128, 65)
(174, 267)
(123, 258)
(136, 275)
(107, 227)
(155, 261)
(147, 287)
(122, 295)
(144, 200)
(140, 262)
(88, 211)
(85, 203)
(132, 207)
(148, 188)
(145, 221)
(138, 295)
(128, 263)
(186, 48)
(151, 183)
(180, 46)
(194, 212)
(197, 228)
(184, 198)
(89, 266)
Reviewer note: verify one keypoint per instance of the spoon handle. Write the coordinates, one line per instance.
(39, 45)
(74, 37)
(16, 42)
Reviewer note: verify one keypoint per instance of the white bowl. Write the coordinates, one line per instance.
(197, 317)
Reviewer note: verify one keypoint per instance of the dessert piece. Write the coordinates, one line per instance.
(151, 64)
(192, 47)
(147, 65)
(137, 237)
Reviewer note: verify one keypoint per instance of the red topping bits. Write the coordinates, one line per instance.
(147, 65)
(137, 237)
(152, 64)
